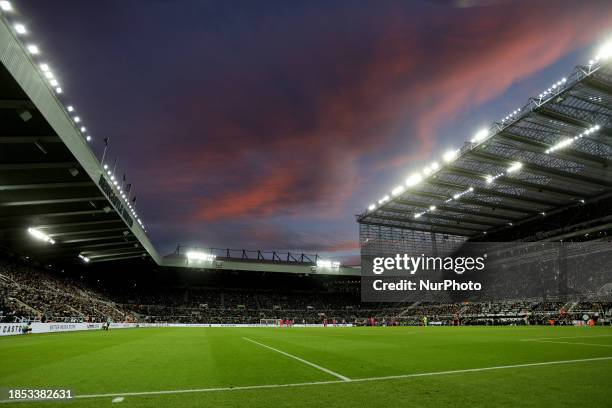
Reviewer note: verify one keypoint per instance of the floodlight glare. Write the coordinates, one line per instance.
(605, 51)
(20, 28)
(84, 258)
(327, 264)
(196, 256)
(481, 135)
(53, 82)
(515, 167)
(372, 207)
(6, 5)
(450, 155)
(40, 235)
(33, 49)
(397, 190)
(69, 108)
(489, 179)
(77, 119)
(434, 166)
(413, 180)
(432, 208)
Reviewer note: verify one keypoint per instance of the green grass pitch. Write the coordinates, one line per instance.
(316, 367)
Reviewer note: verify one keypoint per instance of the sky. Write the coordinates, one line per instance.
(271, 124)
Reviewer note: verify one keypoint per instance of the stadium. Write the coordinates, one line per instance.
(509, 233)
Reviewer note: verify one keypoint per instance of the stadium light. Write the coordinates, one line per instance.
(83, 128)
(450, 155)
(33, 49)
(40, 235)
(321, 263)
(197, 256)
(76, 119)
(88, 138)
(53, 82)
(84, 258)
(372, 207)
(397, 190)
(59, 90)
(6, 5)
(605, 51)
(20, 29)
(514, 167)
(432, 208)
(69, 108)
(480, 135)
(434, 166)
(413, 180)
(568, 141)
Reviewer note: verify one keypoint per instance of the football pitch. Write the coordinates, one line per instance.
(315, 367)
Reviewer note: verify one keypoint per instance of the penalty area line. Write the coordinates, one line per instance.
(315, 383)
(301, 360)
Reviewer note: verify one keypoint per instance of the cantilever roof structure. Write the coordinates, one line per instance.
(52, 186)
(553, 152)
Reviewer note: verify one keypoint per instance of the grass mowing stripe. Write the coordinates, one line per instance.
(567, 337)
(573, 342)
(318, 367)
(304, 384)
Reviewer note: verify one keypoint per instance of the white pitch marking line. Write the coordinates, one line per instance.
(573, 342)
(304, 384)
(570, 337)
(318, 367)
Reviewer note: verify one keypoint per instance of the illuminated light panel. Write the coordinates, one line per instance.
(413, 180)
(6, 5)
(321, 263)
(197, 256)
(397, 190)
(33, 49)
(515, 167)
(450, 155)
(480, 135)
(41, 236)
(20, 29)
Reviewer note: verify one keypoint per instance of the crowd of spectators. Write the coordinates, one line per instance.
(30, 293)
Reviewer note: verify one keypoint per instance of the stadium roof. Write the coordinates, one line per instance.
(52, 186)
(553, 152)
(58, 203)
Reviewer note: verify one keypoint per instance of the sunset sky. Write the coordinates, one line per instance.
(270, 124)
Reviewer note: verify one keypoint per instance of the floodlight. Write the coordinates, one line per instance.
(20, 28)
(33, 49)
(434, 166)
(372, 207)
(88, 138)
(69, 108)
(450, 155)
(327, 264)
(489, 179)
(53, 82)
(413, 180)
(432, 208)
(6, 5)
(77, 119)
(605, 51)
(84, 258)
(481, 134)
(197, 256)
(40, 235)
(83, 128)
(514, 167)
(397, 190)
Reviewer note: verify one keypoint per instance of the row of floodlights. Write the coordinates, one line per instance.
(124, 196)
(604, 53)
(46, 71)
(196, 256)
(321, 263)
(514, 167)
(568, 141)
